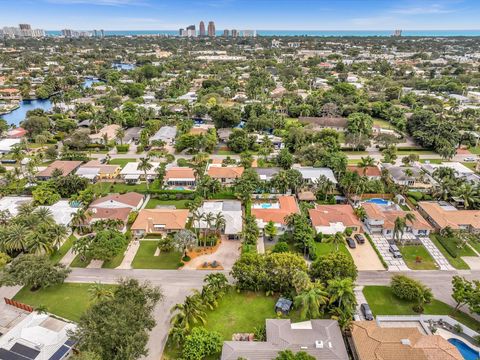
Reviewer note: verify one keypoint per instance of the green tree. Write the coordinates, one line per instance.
(145, 165)
(201, 344)
(466, 292)
(270, 230)
(118, 328)
(310, 301)
(337, 240)
(289, 355)
(332, 266)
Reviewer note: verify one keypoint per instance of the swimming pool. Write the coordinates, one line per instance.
(467, 352)
(379, 201)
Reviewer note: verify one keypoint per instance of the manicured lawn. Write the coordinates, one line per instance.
(475, 245)
(383, 302)
(470, 165)
(116, 261)
(225, 152)
(325, 248)
(67, 300)
(145, 259)
(105, 188)
(60, 253)
(355, 153)
(410, 253)
(384, 124)
(431, 161)
(77, 262)
(354, 161)
(417, 152)
(457, 263)
(153, 203)
(475, 150)
(121, 162)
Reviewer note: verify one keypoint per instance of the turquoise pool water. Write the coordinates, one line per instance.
(265, 205)
(467, 352)
(379, 201)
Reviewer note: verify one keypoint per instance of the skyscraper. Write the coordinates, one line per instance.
(201, 28)
(191, 32)
(211, 29)
(226, 33)
(234, 33)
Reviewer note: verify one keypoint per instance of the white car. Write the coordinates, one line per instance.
(470, 159)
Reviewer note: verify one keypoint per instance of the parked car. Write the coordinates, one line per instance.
(395, 251)
(360, 238)
(351, 243)
(469, 159)
(367, 313)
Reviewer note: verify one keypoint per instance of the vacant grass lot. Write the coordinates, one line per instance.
(325, 248)
(383, 302)
(67, 300)
(410, 253)
(145, 259)
(121, 162)
(179, 204)
(457, 262)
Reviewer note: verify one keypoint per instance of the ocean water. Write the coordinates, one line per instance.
(323, 33)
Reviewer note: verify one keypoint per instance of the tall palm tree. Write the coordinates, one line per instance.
(99, 292)
(119, 135)
(310, 300)
(219, 222)
(337, 240)
(361, 213)
(192, 311)
(39, 242)
(468, 193)
(15, 238)
(145, 165)
(400, 224)
(366, 162)
(341, 292)
(209, 219)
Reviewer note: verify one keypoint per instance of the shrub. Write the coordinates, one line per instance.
(450, 244)
(123, 148)
(416, 195)
(348, 231)
(280, 247)
(409, 289)
(186, 258)
(458, 328)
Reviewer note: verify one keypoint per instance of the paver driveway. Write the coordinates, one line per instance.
(394, 264)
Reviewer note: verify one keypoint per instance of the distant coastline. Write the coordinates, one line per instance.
(320, 33)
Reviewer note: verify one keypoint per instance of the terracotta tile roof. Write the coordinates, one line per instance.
(104, 168)
(9, 91)
(389, 215)
(169, 219)
(180, 173)
(225, 172)
(385, 343)
(324, 215)
(66, 166)
(109, 213)
(198, 131)
(132, 199)
(372, 171)
(452, 218)
(288, 205)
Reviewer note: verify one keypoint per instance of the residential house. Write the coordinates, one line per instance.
(412, 176)
(62, 212)
(38, 336)
(12, 203)
(10, 94)
(115, 207)
(373, 342)
(311, 174)
(132, 135)
(132, 175)
(225, 174)
(159, 221)
(321, 339)
(16, 133)
(325, 122)
(94, 170)
(276, 141)
(380, 219)
(180, 177)
(7, 145)
(66, 168)
(442, 214)
(108, 132)
(267, 174)
(371, 172)
(275, 211)
(232, 214)
(166, 134)
(330, 219)
(460, 170)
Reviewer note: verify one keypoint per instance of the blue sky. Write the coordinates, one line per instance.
(244, 14)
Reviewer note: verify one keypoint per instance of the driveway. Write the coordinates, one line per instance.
(227, 253)
(393, 264)
(365, 257)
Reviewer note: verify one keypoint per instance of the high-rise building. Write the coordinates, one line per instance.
(25, 27)
(201, 29)
(234, 33)
(191, 32)
(102, 33)
(211, 29)
(249, 33)
(226, 33)
(180, 31)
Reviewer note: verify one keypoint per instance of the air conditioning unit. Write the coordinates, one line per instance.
(319, 344)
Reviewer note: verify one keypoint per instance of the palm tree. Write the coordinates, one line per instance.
(39, 242)
(324, 186)
(99, 292)
(217, 282)
(310, 300)
(468, 193)
(119, 135)
(400, 224)
(192, 311)
(145, 165)
(341, 292)
(209, 219)
(337, 240)
(15, 238)
(361, 213)
(366, 162)
(220, 223)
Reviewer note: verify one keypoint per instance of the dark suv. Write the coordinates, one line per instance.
(367, 313)
(360, 238)
(395, 251)
(351, 243)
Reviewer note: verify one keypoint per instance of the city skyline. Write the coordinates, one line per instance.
(228, 14)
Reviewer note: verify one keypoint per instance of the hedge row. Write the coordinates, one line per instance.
(384, 263)
(449, 244)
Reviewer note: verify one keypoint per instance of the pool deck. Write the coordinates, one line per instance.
(449, 335)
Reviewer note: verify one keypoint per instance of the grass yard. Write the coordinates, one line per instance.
(383, 123)
(383, 302)
(153, 203)
(325, 248)
(355, 152)
(417, 152)
(470, 165)
(78, 263)
(475, 245)
(431, 161)
(145, 259)
(410, 253)
(116, 261)
(121, 162)
(68, 300)
(105, 188)
(60, 253)
(225, 152)
(475, 150)
(457, 263)
(354, 161)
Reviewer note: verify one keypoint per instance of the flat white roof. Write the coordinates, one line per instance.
(6, 144)
(62, 212)
(132, 169)
(11, 203)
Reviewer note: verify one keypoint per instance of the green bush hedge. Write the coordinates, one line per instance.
(384, 263)
(449, 244)
(123, 148)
